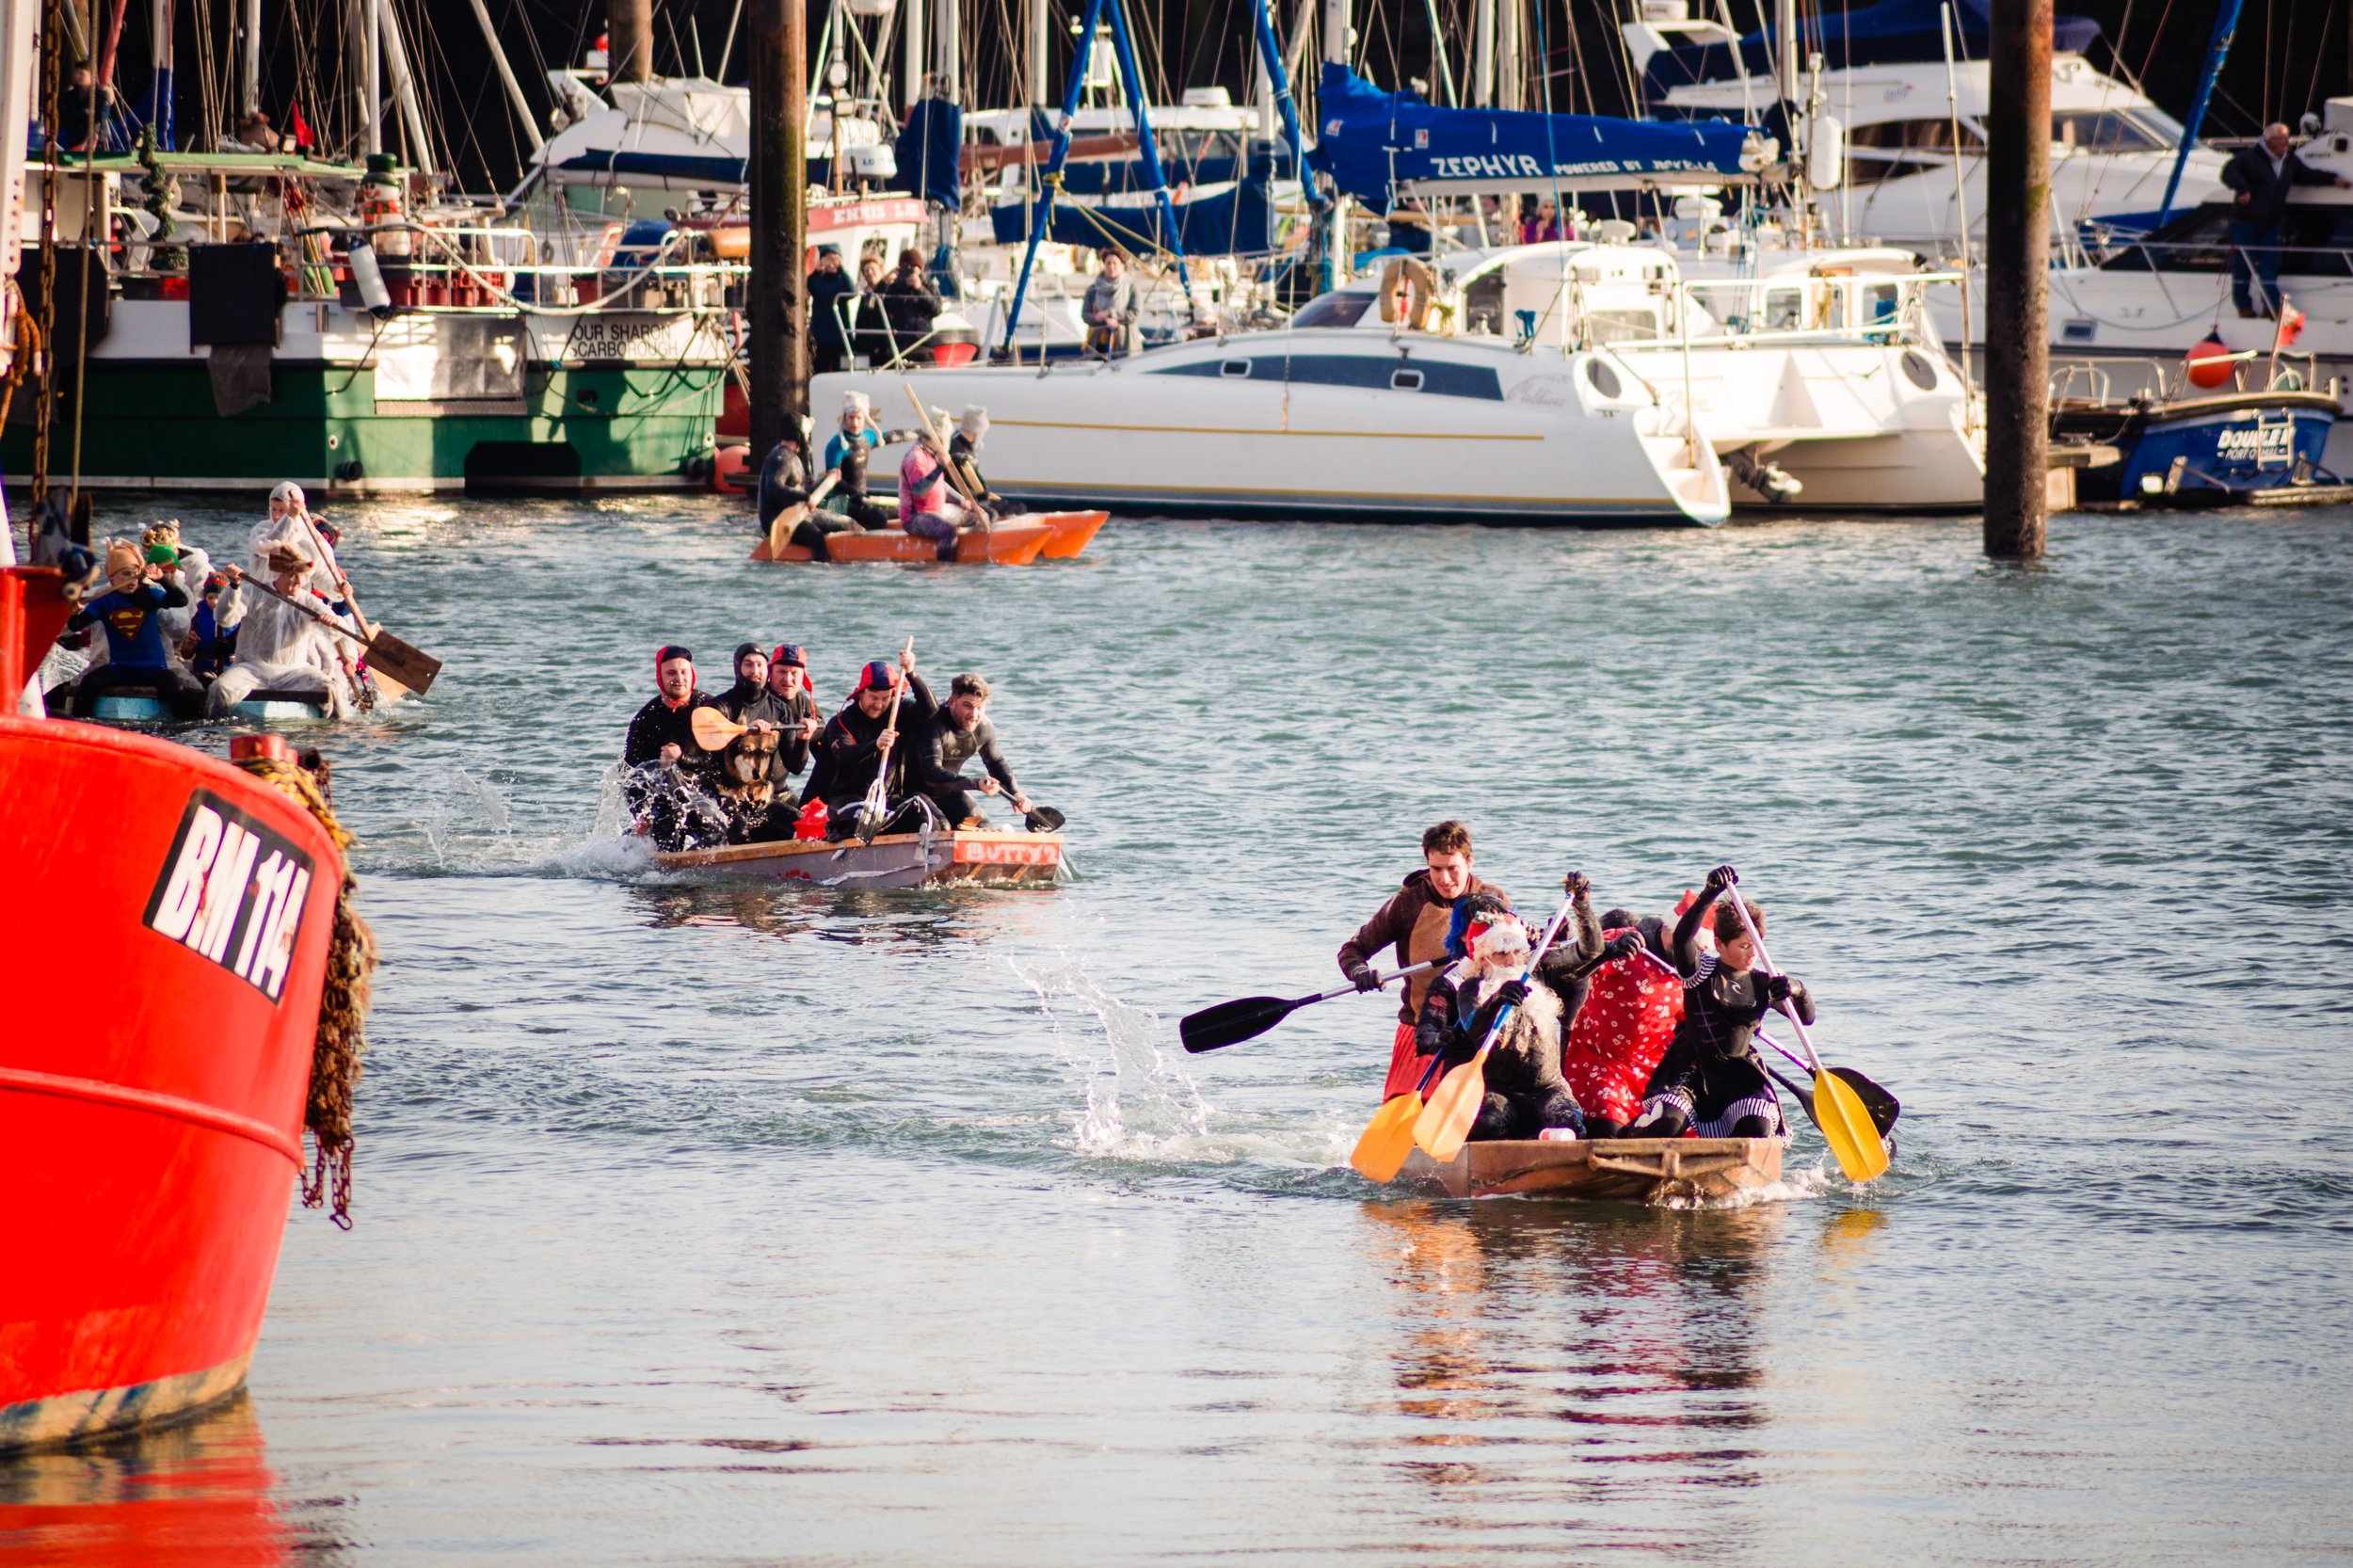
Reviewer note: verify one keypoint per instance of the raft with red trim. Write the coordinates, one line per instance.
(1655, 1170)
(163, 946)
(967, 856)
(1014, 542)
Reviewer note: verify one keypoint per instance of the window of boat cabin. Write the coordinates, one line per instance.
(1785, 310)
(1873, 151)
(2318, 241)
(1483, 304)
(2197, 241)
(1882, 304)
(1622, 325)
(2103, 131)
(1345, 307)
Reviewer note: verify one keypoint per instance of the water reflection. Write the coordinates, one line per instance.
(1553, 1359)
(916, 925)
(199, 1495)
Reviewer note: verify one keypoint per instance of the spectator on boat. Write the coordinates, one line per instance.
(208, 646)
(254, 134)
(850, 749)
(909, 302)
(829, 332)
(868, 318)
(1416, 919)
(929, 505)
(956, 734)
(283, 644)
(132, 613)
(1709, 1081)
(663, 763)
(1109, 309)
(1525, 1092)
(2262, 175)
(971, 430)
(1540, 221)
(846, 454)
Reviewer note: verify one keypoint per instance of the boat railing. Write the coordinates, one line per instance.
(1792, 310)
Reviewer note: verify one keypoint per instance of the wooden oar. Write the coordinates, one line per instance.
(874, 808)
(948, 466)
(1845, 1124)
(407, 658)
(780, 527)
(1883, 1107)
(1229, 1023)
(713, 729)
(408, 667)
(1444, 1123)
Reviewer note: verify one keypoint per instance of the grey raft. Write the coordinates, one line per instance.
(995, 859)
(1625, 1169)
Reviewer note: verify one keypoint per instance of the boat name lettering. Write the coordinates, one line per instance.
(232, 890)
(969, 853)
(2265, 443)
(1519, 165)
(615, 338)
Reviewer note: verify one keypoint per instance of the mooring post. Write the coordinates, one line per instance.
(628, 40)
(2017, 281)
(777, 50)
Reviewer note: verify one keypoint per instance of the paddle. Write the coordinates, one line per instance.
(874, 809)
(1388, 1138)
(1837, 1109)
(780, 527)
(406, 666)
(405, 662)
(1229, 1023)
(1878, 1101)
(949, 466)
(1444, 1123)
(713, 729)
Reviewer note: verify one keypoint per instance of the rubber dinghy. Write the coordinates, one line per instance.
(1013, 543)
(982, 856)
(263, 707)
(1625, 1169)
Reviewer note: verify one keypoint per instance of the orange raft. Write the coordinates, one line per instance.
(1014, 542)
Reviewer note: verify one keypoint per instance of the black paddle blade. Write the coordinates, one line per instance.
(1229, 1023)
(1045, 819)
(1878, 1101)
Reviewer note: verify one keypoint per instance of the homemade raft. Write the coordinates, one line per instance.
(1628, 1170)
(984, 856)
(1014, 542)
(262, 707)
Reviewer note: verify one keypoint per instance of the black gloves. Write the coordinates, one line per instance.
(1362, 976)
(1719, 879)
(1511, 993)
(1625, 944)
(1576, 884)
(1776, 988)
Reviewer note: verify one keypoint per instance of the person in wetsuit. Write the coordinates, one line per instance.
(972, 429)
(847, 452)
(785, 485)
(131, 611)
(851, 748)
(1523, 1094)
(1709, 1081)
(956, 734)
(1416, 919)
(663, 785)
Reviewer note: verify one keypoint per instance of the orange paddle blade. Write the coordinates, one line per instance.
(712, 728)
(1446, 1121)
(1388, 1139)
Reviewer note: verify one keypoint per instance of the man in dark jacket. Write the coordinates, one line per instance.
(2262, 175)
(663, 784)
(853, 747)
(868, 316)
(910, 301)
(1416, 920)
(829, 332)
(957, 733)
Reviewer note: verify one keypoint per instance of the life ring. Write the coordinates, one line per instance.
(1409, 292)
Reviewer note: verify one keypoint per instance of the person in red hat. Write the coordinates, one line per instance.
(861, 739)
(664, 764)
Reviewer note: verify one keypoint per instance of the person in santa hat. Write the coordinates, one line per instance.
(1526, 1094)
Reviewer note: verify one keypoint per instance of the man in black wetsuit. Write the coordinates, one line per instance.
(663, 785)
(785, 487)
(851, 748)
(1710, 1080)
(956, 734)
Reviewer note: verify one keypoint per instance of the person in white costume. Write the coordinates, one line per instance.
(283, 647)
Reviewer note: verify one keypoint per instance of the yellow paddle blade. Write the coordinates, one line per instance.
(1388, 1139)
(1446, 1121)
(1846, 1126)
(712, 728)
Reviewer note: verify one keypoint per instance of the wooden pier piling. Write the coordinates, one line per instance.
(778, 44)
(2017, 261)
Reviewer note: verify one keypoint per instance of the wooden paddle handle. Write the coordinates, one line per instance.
(328, 621)
(947, 459)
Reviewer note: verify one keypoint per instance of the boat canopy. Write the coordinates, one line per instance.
(1894, 32)
(929, 154)
(1231, 220)
(1378, 146)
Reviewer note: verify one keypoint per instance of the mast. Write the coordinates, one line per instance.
(2225, 23)
(1786, 56)
(506, 73)
(248, 56)
(372, 51)
(1484, 53)
(1041, 36)
(1334, 262)
(949, 46)
(403, 86)
(911, 52)
(159, 75)
(1512, 70)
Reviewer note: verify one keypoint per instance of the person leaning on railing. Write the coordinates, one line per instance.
(2262, 175)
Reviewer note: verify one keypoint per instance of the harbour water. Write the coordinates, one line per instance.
(722, 1224)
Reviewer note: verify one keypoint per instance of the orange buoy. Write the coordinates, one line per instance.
(2209, 364)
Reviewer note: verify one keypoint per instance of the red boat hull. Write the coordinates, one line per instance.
(163, 943)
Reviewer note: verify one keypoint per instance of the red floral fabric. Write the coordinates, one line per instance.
(1629, 1016)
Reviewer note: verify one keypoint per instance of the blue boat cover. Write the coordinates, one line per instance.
(1376, 144)
(1121, 177)
(929, 150)
(1237, 222)
(1894, 32)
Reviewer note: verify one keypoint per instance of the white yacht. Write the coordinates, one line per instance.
(1905, 124)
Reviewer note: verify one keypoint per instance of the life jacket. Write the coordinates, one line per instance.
(1629, 1019)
